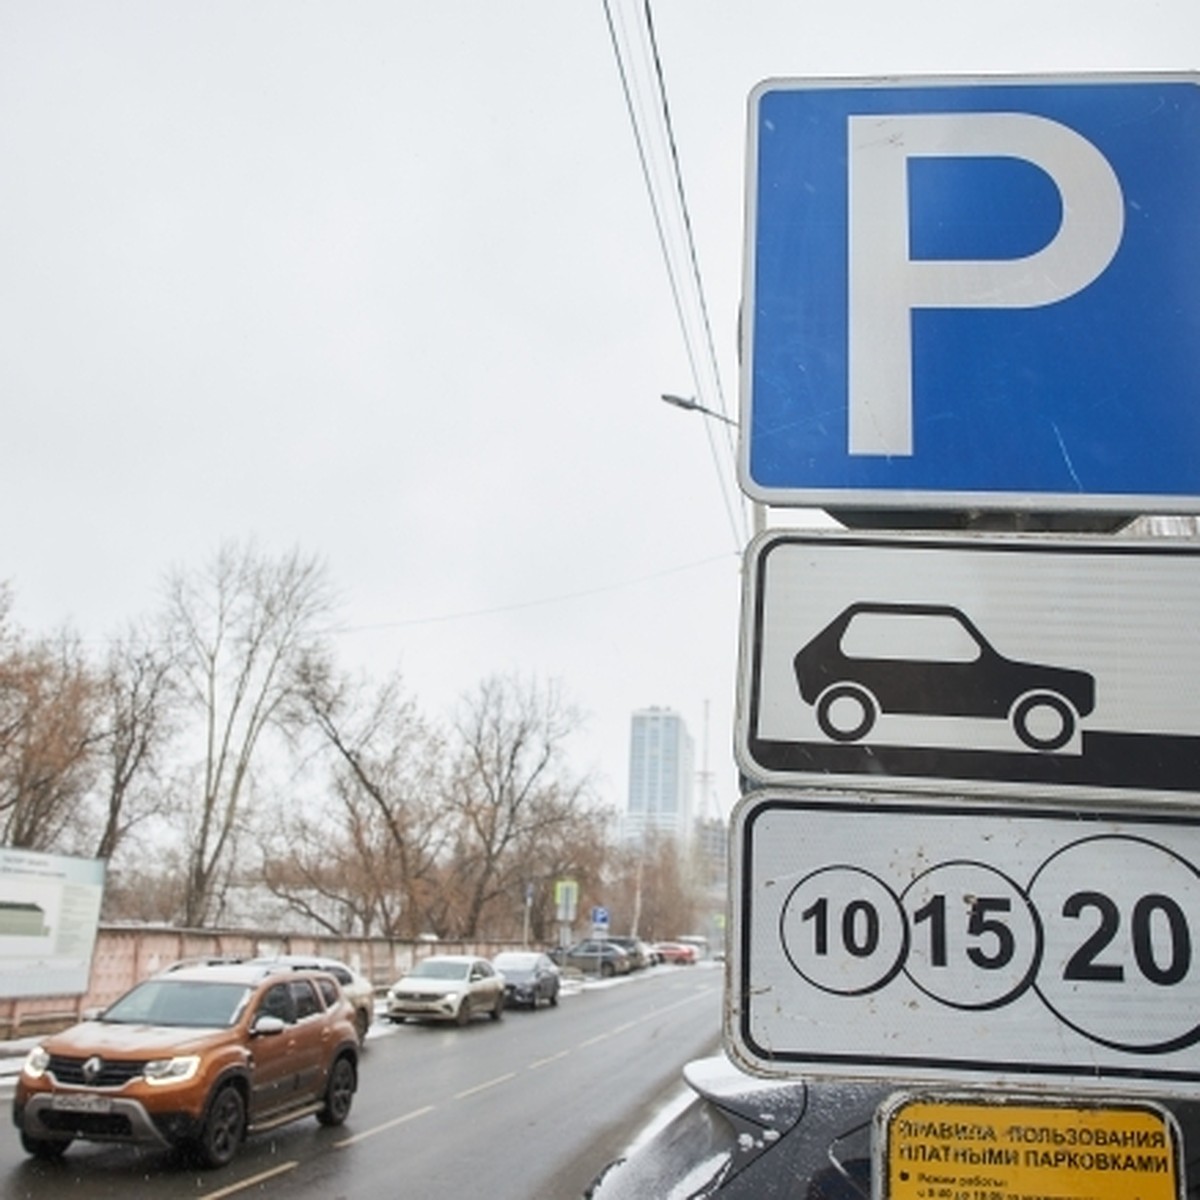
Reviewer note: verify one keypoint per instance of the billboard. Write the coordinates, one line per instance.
(49, 912)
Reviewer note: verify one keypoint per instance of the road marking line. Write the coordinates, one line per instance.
(253, 1181)
(366, 1133)
(481, 1087)
(650, 1016)
(541, 1062)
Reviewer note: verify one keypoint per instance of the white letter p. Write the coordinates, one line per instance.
(886, 284)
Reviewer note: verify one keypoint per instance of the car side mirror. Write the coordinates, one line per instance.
(266, 1025)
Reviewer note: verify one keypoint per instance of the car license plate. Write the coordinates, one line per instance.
(80, 1102)
(959, 1148)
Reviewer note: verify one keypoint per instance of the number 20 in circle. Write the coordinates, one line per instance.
(843, 931)
(1121, 962)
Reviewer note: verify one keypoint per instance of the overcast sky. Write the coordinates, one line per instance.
(381, 281)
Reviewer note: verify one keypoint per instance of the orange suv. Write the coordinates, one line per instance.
(194, 1058)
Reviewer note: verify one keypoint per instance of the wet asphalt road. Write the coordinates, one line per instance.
(529, 1108)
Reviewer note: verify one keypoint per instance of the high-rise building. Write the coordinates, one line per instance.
(660, 775)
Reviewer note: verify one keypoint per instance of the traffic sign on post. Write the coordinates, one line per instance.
(924, 939)
(974, 294)
(913, 662)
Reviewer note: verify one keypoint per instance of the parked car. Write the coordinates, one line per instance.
(447, 987)
(638, 951)
(357, 988)
(195, 1058)
(679, 953)
(595, 957)
(752, 1138)
(529, 978)
(745, 1138)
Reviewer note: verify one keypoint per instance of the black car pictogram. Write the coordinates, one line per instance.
(930, 659)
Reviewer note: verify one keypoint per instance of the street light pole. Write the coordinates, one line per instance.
(692, 405)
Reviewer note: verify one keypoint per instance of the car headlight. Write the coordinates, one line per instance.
(171, 1070)
(36, 1062)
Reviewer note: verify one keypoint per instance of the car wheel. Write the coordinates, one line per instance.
(846, 712)
(339, 1092)
(498, 1008)
(607, 970)
(224, 1127)
(463, 1016)
(361, 1024)
(46, 1149)
(1043, 721)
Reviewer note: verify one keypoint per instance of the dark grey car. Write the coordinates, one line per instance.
(743, 1138)
(638, 951)
(529, 978)
(594, 957)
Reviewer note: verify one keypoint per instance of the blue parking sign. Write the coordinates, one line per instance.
(974, 294)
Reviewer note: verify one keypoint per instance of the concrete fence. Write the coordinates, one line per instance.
(124, 955)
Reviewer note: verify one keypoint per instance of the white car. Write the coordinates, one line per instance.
(447, 987)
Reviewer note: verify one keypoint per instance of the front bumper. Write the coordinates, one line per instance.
(435, 1008)
(107, 1119)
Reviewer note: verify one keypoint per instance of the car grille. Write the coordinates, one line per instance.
(416, 997)
(113, 1073)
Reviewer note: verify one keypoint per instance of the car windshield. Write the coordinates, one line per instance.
(515, 962)
(440, 968)
(180, 1002)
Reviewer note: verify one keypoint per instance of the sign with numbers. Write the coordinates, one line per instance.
(894, 937)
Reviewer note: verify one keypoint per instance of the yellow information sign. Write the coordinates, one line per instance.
(956, 1148)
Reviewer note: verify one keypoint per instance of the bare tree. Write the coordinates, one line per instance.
(651, 889)
(510, 788)
(376, 856)
(47, 738)
(138, 694)
(575, 848)
(242, 626)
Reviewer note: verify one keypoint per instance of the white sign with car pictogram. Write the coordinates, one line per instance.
(916, 938)
(912, 660)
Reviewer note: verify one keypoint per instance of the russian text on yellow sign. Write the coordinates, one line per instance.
(963, 1150)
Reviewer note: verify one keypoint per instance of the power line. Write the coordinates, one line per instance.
(687, 289)
(517, 606)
